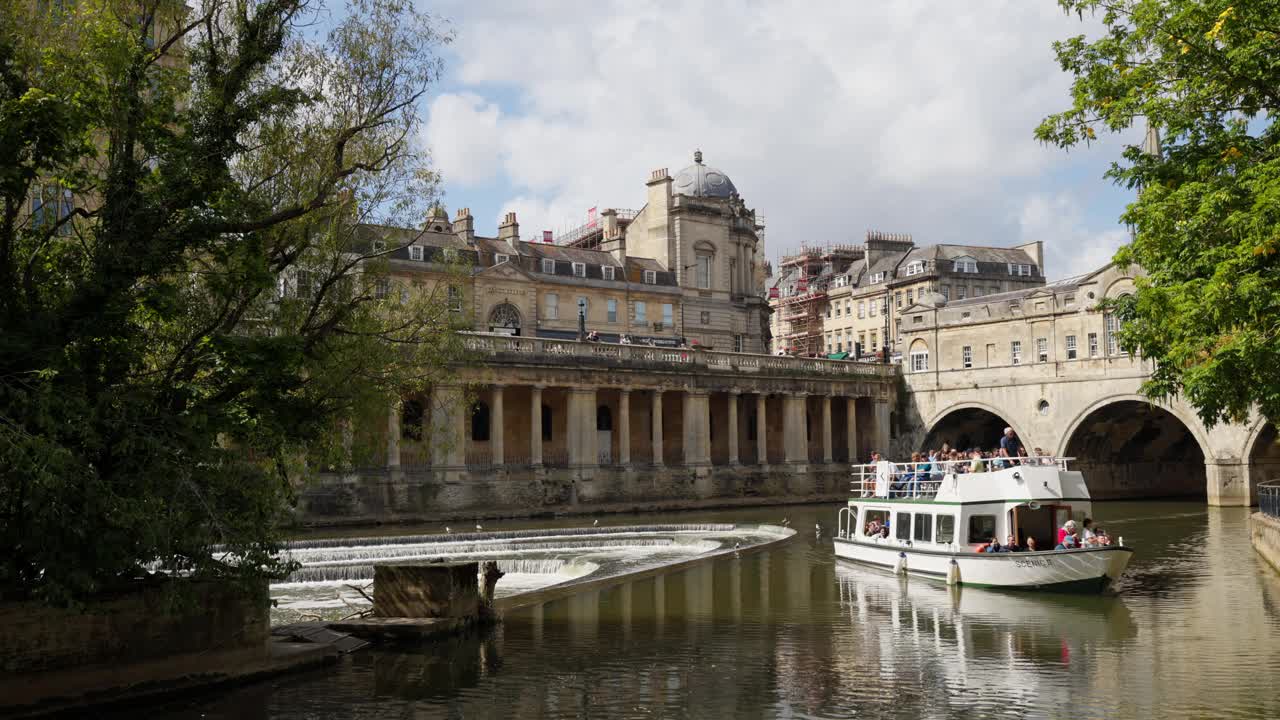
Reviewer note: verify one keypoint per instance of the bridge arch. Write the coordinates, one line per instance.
(1261, 455)
(1127, 446)
(971, 424)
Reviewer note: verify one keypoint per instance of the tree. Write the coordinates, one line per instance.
(188, 309)
(1206, 222)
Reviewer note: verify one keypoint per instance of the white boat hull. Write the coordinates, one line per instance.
(1083, 570)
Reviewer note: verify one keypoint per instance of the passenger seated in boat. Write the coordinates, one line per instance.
(873, 528)
(1011, 545)
(1067, 528)
(992, 546)
(1101, 537)
(1069, 542)
(1031, 545)
(1087, 536)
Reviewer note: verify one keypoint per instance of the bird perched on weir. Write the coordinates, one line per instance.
(595, 523)
(786, 521)
(478, 528)
(448, 529)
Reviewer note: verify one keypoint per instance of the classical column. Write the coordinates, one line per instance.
(393, 436)
(624, 427)
(697, 428)
(535, 425)
(795, 437)
(496, 424)
(656, 417)
(826, 428)
(449, 426)
(762, 438)
(851, 427)
(733, 427)
(582, 428)
(882, 426)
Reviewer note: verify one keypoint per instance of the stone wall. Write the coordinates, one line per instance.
(147, 637)
(1264, 531)
(385, 496)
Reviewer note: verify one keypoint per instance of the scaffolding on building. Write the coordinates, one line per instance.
(803, 306)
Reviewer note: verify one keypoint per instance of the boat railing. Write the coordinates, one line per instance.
(1269, 498)
(921, 480)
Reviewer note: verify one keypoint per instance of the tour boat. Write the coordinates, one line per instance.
(940, 517)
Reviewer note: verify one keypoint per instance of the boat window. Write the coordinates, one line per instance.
(902, 526)
(982, 528)
(879, 517)
(946, 529)
(924, 528)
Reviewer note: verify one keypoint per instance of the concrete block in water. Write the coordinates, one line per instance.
(438, 590)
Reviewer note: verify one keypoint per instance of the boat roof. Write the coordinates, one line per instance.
(1044, 484)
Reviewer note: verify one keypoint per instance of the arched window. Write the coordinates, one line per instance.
(919, 356)
(604, 418)
(480, 422)
(1111, 329)
(411, 416)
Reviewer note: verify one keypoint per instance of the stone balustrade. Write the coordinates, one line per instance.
(497, 346)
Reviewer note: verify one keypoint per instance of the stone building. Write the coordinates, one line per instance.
(849, 300)
(1046, 362)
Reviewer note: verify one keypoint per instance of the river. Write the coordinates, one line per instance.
(1193, 631)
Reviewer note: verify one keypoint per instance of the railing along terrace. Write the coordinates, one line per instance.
(921, 480)
(494, 344)
(1269, 498)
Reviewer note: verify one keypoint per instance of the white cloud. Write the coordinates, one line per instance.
(830, 118)
(1071, 248)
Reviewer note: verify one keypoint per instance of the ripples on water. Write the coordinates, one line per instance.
(1194, 632)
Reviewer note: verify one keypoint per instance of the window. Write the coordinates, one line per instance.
(874, 304)
(920, 361)
(1015, 352)
(862, 339)
(1040, 307)
(500, 258)
(579, 269)
(873, 340)
(902, 526)
(966, 356)
(668, 318)
(1019, 270)
(382, 288)
(704, 272)
(837, 309)
(842, 280)
(1071, 347)
(909, 300)
(737, 343)
(828, 312)
(964, 265)
(1093, 344)
(876, 277)
(549, 266)
(606, 271)
(1042, 350)
(877, 516)
(962, 292)
(977, 291)
(946, 529)
(455, 299)
(839, 347)
(650, 277)
(917, 319)
(1069, 300)
(415, 252)
(982, 528)
(923, 528)
(1111, 325)
(848, 308)
(915, 268)
(862, 309)
(550, 306)
(705, 317)
(641, 312)
(946, 292)
(611, 308)
(897, 300)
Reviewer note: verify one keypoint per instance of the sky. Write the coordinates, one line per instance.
(830, 118)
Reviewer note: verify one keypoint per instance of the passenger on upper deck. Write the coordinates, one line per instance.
(1011, 444)
(1043, 459)
(884, 474)
(976, 465)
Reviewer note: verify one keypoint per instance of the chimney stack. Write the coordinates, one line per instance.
(614, 240)
(509, 230)
(464, 226)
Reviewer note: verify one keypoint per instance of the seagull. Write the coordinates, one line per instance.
(448, 529)
(597, 522)
(478, 528)
(737, 545)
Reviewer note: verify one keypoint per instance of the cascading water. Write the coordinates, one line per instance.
(331, 568)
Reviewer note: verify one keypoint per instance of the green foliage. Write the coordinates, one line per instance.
(178, 352)
(1207, 217)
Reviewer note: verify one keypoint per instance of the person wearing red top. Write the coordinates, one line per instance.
(1068, 529)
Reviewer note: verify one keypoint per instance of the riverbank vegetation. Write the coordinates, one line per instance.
(1205, 76)
(188, 315)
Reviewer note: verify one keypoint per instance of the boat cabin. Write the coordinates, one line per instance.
(933, 506)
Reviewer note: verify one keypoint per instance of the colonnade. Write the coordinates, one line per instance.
(593, 426)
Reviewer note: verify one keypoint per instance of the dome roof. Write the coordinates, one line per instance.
(699, 180)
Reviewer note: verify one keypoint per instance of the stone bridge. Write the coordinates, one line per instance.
(1071, 392)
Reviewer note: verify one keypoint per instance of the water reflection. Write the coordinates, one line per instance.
(1193, 633)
